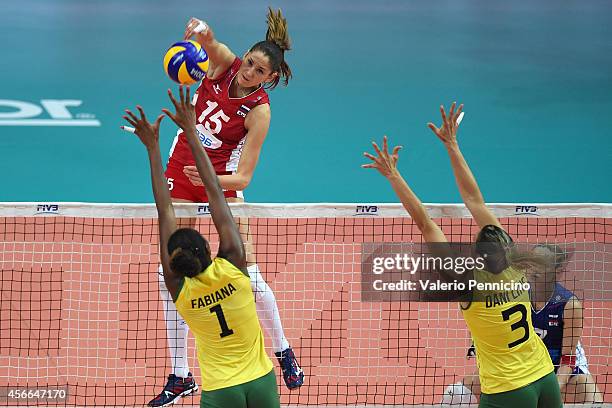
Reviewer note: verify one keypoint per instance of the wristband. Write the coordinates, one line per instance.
(568, 360)
(200, 28)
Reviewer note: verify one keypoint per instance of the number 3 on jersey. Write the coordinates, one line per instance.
(214, 123)
(521, 324)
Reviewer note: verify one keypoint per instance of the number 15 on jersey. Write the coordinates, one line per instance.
(215, 121)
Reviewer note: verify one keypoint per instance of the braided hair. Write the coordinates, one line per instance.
(189, 254)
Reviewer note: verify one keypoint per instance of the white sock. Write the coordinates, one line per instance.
(267, 310)
(176, 330)
(458, 394)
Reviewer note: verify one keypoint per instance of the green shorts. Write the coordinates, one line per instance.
(543, 393)
(261, 392)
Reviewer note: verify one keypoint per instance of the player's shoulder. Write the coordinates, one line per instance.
(562, 294)
(222, 263)
(259, 117)
(262, 111)
(573, 304)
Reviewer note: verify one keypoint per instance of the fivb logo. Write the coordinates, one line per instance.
(361, 210)
(29, 114)
(203, 209)
(47, 209)
(526, 210)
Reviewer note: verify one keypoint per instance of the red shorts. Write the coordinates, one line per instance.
(181, 188)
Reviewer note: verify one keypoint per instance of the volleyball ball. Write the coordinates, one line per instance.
(186, 62)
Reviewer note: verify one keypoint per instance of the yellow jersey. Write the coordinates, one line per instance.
(509, 353)
(219, 308)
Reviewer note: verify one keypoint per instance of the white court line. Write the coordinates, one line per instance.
(49, 122)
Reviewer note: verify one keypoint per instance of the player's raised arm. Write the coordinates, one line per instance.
(148, 133)
(231, 246)
(468, 188)
(219, 54)
(386, 164)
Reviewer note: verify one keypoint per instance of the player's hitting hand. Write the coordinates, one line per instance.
(200, 29)
(147, 132)
(384, 162)
(185, 116)
(447, 132)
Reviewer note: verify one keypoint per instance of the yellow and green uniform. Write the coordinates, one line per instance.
(219, 308)
(509, 353)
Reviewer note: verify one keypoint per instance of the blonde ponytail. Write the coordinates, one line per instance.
(277, 30)
(274, 47)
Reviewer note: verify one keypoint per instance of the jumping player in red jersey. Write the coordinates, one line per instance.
(232, 121)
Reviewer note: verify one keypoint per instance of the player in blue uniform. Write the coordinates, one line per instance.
(557, 318)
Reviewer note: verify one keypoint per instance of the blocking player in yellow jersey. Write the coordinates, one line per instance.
(214, 296)
(514, 366)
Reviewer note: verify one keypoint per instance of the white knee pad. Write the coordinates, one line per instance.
(458, 394)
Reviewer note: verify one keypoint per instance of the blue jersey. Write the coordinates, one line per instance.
(548, 324)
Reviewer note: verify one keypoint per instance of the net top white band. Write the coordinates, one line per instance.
(319, 210)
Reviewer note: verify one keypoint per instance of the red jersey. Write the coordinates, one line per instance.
(220, 122)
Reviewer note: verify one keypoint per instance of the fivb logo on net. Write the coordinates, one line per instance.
(47, 208)
(21, 113)
(365, 210)
(526, 210)
(203, 209)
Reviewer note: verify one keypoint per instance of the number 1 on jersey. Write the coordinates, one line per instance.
(225, 330)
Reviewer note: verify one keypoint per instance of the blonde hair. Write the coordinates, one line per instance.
(555, 256)
(274, 47)
(277, 29)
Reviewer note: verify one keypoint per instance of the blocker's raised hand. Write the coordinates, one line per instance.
(185, 116)
(384, 162)
(147, 132)
(447, 132)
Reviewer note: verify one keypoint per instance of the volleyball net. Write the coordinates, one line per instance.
(81, 311)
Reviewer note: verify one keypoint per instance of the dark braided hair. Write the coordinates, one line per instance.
(188, 251)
